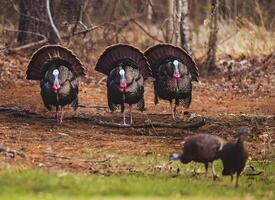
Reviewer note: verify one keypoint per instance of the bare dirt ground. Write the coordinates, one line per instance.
(247, 100)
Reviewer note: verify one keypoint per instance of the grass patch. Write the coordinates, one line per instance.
(41, 184)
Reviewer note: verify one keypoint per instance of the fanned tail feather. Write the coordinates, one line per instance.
(49, 55)
(162, 53)
(125, 54)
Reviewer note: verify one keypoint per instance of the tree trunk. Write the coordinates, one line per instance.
(170, 22)
(177, 25)
(34, 22)
(185, 28)
(212, 44)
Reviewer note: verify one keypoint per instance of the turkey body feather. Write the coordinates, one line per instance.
(133, 94)
(168, 88)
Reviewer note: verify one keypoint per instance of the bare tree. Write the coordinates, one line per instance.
(212, 43)
(185, 27)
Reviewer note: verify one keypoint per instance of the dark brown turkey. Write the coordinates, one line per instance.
(234, 156)
(58, 71)
(202, 148)
(173, 70)
(126, 68)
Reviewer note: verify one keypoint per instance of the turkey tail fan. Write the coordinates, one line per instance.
(49, 55)
(158, 54)
(122, 53)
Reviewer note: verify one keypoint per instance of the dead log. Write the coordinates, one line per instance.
(196, 122)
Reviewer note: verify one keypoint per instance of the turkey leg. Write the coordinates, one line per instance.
(131, 115)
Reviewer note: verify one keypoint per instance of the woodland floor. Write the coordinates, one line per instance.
(81, 146)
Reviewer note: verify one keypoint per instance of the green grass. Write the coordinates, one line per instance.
(41, 184)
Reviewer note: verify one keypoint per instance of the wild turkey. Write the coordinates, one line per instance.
(234, 156)
(202, 148)
(126, 68)
(173, 70)
(58, 70)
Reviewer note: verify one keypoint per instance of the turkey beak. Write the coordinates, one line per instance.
(175, 156)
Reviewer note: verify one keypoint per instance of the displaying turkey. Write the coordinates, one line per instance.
(202, 148)
(234, 156)
(58, 71)
(126, 68)
(173, 70)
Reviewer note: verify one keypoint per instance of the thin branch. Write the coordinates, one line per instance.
(33, 33)
(84, 31)
(26, 46)
(30, 45)
(145, 31)
(153, 9)
(51, 20)
(102, 79)
(113, 10)
(79, 17)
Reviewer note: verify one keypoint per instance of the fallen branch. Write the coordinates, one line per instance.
(148, 124)
(100, 107)
(253, 171)
(11, 153)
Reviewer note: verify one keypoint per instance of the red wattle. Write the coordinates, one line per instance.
(176, 75)
(122, 85)
(56, 87)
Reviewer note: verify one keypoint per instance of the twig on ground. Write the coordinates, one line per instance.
(11, 153)
(81, 160)
(192, 124)
(100, 107)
